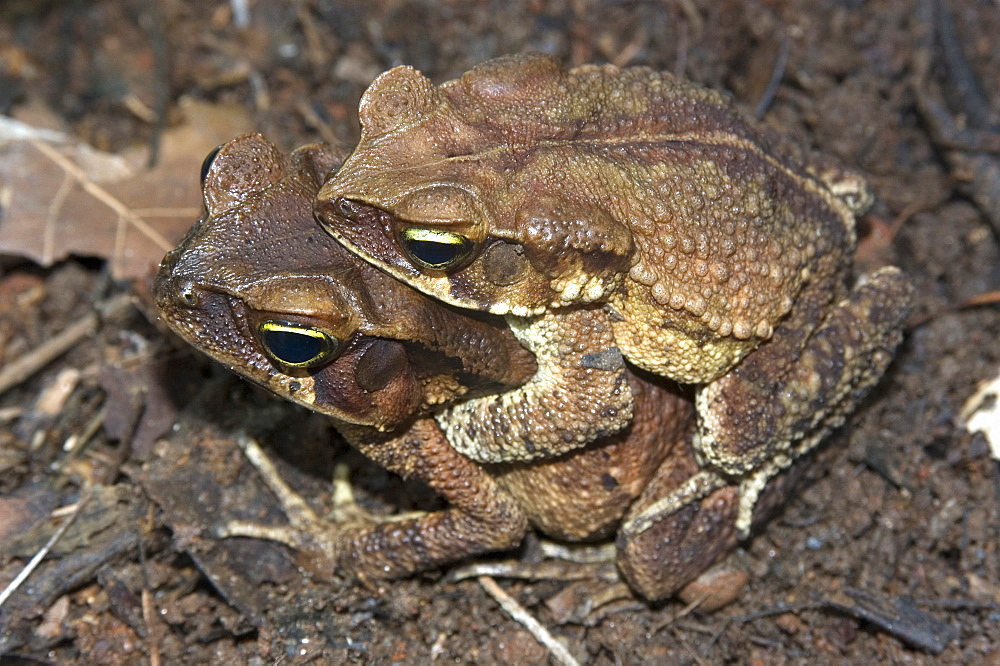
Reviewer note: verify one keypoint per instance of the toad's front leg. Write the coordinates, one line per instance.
(580, 393)
(481, 516)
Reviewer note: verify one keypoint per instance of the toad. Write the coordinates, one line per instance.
(597, 198)
(258, 286)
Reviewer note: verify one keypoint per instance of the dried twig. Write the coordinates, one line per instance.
(899, 617)
(987, 298)
(38, 358)
(44, 550)
(536, 571)
(777, 73)
(521, 615)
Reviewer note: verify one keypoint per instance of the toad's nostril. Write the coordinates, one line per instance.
(188, 295)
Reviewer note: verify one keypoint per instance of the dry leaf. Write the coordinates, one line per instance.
(59, 196)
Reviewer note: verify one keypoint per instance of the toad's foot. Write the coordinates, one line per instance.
(675, 531)
(686, 520)
(307, 530)
(580, 393)
(481, 517)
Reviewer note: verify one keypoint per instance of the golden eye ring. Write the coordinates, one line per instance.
(296, 345)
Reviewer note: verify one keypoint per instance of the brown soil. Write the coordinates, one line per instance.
(906, 511)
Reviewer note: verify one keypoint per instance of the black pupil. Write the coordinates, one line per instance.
(207, 163)
(433, 253)
(293, 348)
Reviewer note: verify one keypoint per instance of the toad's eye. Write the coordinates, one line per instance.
(206, 164)
(296, 345)
(437, 250)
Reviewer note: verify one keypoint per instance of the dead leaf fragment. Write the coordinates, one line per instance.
(52, 622)
(60, 197)
(981, 413)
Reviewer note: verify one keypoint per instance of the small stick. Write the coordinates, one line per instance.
(777, 73)
(521, 614)
(48, 351)
(40, 555)
(536, 571)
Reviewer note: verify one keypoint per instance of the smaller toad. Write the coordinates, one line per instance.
(575, 202)
(257, 286)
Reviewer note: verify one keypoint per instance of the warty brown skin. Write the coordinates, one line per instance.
(632, 202)
(257, 255)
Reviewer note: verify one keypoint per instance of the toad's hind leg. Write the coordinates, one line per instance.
(787, 395)
(783, 398)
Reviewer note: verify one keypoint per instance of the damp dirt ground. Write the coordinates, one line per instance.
(890, 556)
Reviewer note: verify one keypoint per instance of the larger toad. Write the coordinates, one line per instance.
(716, 253)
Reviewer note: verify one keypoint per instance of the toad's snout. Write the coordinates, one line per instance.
(173, 286)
